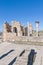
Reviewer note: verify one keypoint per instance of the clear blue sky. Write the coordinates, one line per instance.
(21, 10)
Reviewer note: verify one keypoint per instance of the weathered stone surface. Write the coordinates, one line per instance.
(9, 58)
(16, 32)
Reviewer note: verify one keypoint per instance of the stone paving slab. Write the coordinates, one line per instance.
(10, 58)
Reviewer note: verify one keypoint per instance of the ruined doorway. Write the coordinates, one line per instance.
(15, 30)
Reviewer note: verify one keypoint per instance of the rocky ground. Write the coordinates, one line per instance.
(18, 54)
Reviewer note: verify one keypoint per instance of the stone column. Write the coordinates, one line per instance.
(37, 27)
(29, 29)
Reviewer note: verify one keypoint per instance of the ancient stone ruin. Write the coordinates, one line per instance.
(16, 32)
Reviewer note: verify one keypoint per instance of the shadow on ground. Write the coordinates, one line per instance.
(31, 57)
(22, 53)
(4, 55)
(11, 63)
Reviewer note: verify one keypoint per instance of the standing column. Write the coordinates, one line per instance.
(37, 27)
(28, 29)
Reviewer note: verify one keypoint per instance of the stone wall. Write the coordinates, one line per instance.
(16, 32)
(17, 25)
(13, 37)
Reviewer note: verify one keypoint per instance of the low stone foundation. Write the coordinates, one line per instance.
(23, 38)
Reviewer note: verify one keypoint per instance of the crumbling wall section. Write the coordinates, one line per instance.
(18, 26)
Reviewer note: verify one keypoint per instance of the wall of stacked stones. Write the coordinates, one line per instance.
(16, 34)
(12, 37)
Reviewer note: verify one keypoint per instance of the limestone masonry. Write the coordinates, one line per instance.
(16, 32)
(22, 45)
